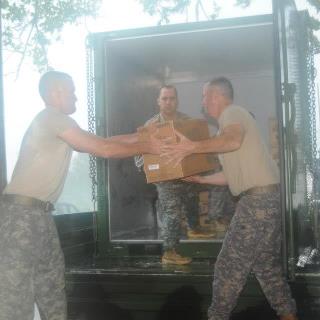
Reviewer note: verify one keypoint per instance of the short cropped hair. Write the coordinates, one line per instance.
(168, 86)
(224, 85)
(49, 80)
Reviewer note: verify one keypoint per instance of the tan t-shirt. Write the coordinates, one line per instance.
(251, 165)
(44, 158)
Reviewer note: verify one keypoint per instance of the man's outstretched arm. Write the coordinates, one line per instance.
(230, 139)
(121, 146)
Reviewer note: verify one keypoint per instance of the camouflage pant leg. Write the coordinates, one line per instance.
(221, 202)
(170, 211)
(251, 243)
(49, 281)
(268, 268)
(189, 194)
(31, 265)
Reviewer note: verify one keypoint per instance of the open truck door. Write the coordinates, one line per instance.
(296, 96)
(129, 67)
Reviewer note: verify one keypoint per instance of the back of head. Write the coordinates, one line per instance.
(50, 80)
(224, 86)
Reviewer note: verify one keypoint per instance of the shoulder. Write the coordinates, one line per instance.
(235, 111)
(233, 108)
(55, 120)
(234, 114)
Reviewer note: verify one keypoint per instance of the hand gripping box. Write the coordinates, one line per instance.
(155, 167)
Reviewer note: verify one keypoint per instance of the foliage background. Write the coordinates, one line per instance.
(29, 27)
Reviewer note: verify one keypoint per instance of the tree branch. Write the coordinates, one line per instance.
(203, 9)
(26, 45)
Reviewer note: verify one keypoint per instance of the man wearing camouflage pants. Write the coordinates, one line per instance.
(221, 207)
(175, 198)
(31, 260)
(253, 240)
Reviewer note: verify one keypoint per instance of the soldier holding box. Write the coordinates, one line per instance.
(176, 198)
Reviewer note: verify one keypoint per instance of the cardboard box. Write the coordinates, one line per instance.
(157, 170)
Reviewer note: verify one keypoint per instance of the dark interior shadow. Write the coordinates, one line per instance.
(102, 311)
(182, 304)
(260, 312)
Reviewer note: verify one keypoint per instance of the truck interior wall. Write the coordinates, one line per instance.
(130, 101)
(136, 68)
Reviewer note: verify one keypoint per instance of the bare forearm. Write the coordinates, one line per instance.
(115, 149)
(229, 140)
(216, 179)
(218, 144)
(125, 138)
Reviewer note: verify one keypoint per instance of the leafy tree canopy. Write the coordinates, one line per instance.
(163, 9)
(166, 8)
(29, 26)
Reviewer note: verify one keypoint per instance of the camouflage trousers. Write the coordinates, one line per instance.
(31, 265)
(252, 243)
(177, 199)
(221, 203)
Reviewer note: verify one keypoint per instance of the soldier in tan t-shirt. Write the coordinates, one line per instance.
(253, 240)
(31, 260)
(175, 198)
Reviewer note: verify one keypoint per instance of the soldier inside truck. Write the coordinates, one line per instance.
(178, 201)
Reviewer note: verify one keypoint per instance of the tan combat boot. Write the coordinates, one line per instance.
(201, 233)
(171, 257)
(219, 225)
